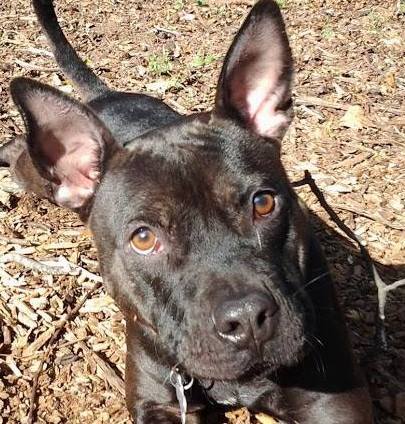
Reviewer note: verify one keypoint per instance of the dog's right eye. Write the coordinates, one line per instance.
(144, 241)
(263, 204)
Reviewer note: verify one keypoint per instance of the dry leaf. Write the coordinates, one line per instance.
(240, 416)
(390, 80)
(265, 419)
(161, 86)
(5, 198)
(354, 118)
(96, 304)
(338, 188)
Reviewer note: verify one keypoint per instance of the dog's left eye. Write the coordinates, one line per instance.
(144, 241)
(263, 203)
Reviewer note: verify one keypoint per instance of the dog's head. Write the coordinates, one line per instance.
(198, 230)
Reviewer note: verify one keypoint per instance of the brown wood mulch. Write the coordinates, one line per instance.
(348, 132)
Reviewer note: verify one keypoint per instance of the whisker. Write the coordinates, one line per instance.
(320, 365)
(310, 282)
(259, 240)
(320, 342)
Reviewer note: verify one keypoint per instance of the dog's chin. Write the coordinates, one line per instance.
(243, 364)
(211, 369)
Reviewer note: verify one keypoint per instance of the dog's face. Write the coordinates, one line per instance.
(198, 231)
(203, 237)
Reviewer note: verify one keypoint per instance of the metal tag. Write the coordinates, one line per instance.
(180, 386)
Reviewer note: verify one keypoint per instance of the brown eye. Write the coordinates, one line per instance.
(263, 203)
(144, 241)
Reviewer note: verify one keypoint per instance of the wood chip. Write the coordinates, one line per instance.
(26, 320)
(38, 342)
(96, 304)
(13, 366)
(265, 419)
(107, 371)
(27, 310)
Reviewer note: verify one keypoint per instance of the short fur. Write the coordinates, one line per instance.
(125, 161)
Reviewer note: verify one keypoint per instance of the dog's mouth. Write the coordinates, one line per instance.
(207, 368)
(224, 362)
(239, 334)
(238, 367)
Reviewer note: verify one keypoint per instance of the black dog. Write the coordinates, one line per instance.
(201, 239)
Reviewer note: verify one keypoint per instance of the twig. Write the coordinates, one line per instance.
(177, 106)
(64, 245)
(352, 209)
(35, 265)
(332, 214)
(14, 240)
(168, 31)
(58, 330)
(62, 267)
(38, 52)
(108, 372)
(32, 67)
(315, 101)
(382, 287)
(370, 216)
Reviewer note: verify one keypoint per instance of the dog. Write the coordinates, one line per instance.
(202, 241)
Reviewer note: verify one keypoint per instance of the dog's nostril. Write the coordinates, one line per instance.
(245, 320)
(231, 327)
(261, 318)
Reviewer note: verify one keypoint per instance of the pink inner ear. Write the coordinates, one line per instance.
(79, 174)
(254, 86)
(258, 99)
(74, 162)
(66, 142)
(263, 116)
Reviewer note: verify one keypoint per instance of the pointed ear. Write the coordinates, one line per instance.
(255, 83)
(66, 141)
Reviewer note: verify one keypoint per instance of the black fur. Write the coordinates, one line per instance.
(126, 161)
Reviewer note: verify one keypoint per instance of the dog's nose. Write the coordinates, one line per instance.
(249, 319)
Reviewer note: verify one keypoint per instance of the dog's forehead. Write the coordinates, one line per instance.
(178, 173)
(197, 170)
(198, 155)
(212, 146)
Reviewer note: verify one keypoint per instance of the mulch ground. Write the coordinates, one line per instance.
(348, 131)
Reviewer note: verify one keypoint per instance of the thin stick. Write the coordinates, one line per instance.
(32, 67)
(58, 331)
(38, 52)
(370, 216)
(349, 208)
(315, 101)
(14, 240)
(33, 264)
(332, 214)
(168, 31)
(382, 287)
(107, 370)
(63, 267)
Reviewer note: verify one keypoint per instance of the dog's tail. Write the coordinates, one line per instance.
(68, 60)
